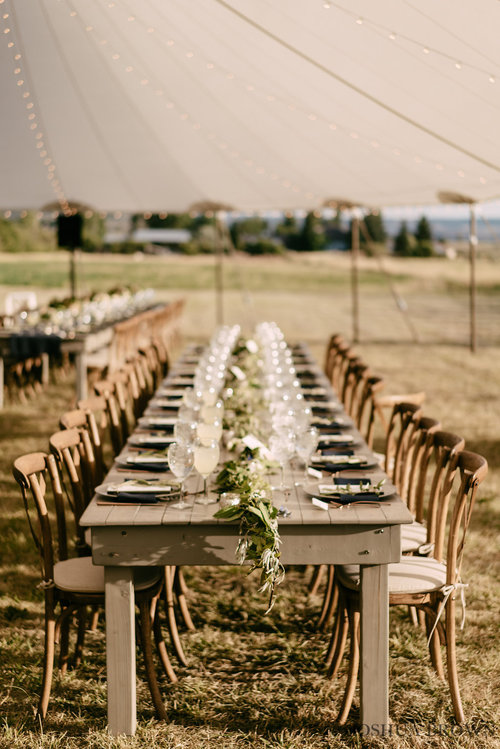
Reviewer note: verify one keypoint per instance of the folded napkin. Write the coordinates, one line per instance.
(134, 498)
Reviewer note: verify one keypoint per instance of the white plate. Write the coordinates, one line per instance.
(133, 486)
(138, 460)
(151, 440)
(157, 421)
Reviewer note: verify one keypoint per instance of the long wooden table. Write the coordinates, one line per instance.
(124, 537)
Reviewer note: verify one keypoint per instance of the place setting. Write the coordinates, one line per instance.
(346, 491)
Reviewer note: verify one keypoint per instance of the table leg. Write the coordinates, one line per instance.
(374, 666)
(81, 375)
(45, 369)
(120, 650)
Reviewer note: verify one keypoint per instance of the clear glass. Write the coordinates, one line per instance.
(180, 460)
(206, 457)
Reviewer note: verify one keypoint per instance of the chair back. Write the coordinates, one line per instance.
(419, 450)
(331, 353)
(365, 417)
(445, 448)
(403, 421)
(30, 472)
(85, 418)
(73, 452)
(471, 469)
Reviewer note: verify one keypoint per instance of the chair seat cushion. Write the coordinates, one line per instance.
(413, 536)
(79, 575)
(411, 575)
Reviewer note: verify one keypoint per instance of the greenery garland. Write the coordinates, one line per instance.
(259, 541)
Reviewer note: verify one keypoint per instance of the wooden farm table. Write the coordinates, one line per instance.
(124, 537)
(98, 346)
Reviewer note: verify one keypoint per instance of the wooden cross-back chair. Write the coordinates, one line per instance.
(72, 450)
(404, 419)
(366, 410)
(80, 418)
(429, 584)
(72, 584)
(119, 405)
(331, 353)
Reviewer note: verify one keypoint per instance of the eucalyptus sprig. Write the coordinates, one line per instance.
(259, 540)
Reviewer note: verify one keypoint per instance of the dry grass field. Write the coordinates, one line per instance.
(258, 681)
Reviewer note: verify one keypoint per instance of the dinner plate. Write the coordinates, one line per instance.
(137, 491)
(175, 394)
(157, 422)
(337, 440)
(170, 404)
(151, 440)
(332, 423)
(350, 490)
(148, 461)
(343, 461)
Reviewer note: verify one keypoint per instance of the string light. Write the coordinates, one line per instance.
(425, 48)
(184, 116)
(35, 125)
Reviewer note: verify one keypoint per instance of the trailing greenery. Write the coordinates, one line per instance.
(259, 541)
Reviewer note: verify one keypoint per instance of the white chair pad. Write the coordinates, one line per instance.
(79, 575)
(413, 536)
(411, 575)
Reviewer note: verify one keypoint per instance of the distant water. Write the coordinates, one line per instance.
(451, 229)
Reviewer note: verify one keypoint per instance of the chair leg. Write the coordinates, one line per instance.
(63, 637)
(352, 674)
(48, 666)
(435, 648)
(338, 640)
(180, 588)
(161, 646)
(172, 621)
(451, 661)
(80, 637)
(147, 651)
(330, 602)
(317, 577)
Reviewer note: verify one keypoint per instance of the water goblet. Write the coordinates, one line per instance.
(281, 446)
(306, 443)
(185, 431)
(206, 457)
(180, 460)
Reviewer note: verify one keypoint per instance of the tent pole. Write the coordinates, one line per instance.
(72, 272)
(472, 285)
(354, 275)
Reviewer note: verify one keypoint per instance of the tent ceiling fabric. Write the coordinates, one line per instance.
(160, 104)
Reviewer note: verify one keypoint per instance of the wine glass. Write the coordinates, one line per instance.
(180, 457)
(206, 457)
(281, 446)
(209, 429)
(185, 431)
(306, 443)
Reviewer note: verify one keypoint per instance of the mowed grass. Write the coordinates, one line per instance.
(255, 680)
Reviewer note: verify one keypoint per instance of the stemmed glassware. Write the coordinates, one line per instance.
(180, 457)
(206, 457)
(281, 446)
(306, 443)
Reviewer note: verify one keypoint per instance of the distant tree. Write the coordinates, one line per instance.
(423, 232)
(375, 228)
(423, 236)
(403, 246)
(311, 236)
(253, 227)
(288, 232)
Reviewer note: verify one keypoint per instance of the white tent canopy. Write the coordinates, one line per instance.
(155, 105)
